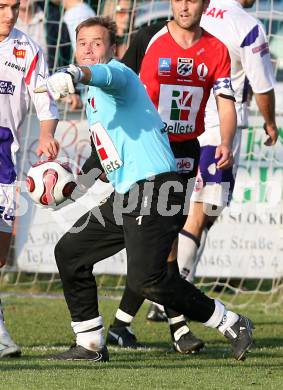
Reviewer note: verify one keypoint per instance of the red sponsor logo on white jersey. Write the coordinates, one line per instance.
(109, 157)
(184, 164)
(100, 148)
(216, 13)
(19, 53)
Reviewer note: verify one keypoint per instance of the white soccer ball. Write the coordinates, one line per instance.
(50, 182)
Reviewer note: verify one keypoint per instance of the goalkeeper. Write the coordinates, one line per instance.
(146, 210)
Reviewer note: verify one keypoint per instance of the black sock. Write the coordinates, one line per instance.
(118, 323)
(172, 270)
(173, 314)
(130, 304)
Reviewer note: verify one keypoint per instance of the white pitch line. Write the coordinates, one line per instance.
(45, 348)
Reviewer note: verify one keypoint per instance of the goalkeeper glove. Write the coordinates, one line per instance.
(62, 83)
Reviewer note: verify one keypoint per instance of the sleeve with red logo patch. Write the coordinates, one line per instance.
(256, 61)
(36, 74)
(222, 80)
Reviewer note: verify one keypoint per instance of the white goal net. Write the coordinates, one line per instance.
(244, 251)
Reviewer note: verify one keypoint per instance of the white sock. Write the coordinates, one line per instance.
(228, 320)
(176, 320)
(123, 316)
(191, 276)
(187, 250)
(87, 336)
(217, 315)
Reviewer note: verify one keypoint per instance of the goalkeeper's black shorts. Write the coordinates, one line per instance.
(146, 222)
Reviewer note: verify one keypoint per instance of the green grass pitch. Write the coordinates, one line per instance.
(42, 326)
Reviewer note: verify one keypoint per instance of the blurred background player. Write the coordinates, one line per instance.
(75, 12)
(59, 45)
(122, 12)
(31, 22)
(23, 67)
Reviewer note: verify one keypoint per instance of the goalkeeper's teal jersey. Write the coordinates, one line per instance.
(127, 131)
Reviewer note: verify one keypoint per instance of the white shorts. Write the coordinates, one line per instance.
(215, 186)
(7, 207)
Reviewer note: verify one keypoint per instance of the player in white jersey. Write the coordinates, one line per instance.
(250, 64)
(22, 68)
